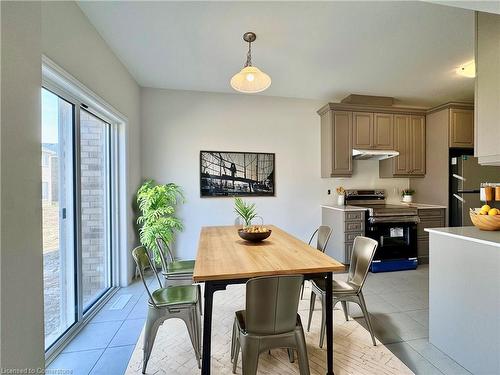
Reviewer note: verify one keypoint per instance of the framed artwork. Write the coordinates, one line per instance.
(236, 174)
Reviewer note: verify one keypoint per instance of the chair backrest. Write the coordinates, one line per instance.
(272, 303)
(362, 254)
(143, 261)
(324, 232)
(166, 256)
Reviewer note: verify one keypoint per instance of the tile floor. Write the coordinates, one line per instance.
(397, 301)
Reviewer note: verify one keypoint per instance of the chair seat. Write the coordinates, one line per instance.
(176, 295)
(241, 315)
(339, 287)
(180, 266)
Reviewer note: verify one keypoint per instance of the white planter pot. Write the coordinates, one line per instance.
(407, 198)
(341, 200)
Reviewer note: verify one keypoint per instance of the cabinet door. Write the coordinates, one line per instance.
(487, 93)
(383, 131)
(461, 128)
(401, 164)
(342, 143)
(363, 130)
(417, 145)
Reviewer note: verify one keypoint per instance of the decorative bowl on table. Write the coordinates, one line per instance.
(254, 233)
(485, 222)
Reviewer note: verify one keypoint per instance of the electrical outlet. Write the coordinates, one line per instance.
(329, 191)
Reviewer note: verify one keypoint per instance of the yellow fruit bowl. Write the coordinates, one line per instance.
(485, 222)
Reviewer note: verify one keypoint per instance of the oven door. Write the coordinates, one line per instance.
(395, 240)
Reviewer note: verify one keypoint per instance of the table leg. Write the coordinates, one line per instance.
(210, 288)
(329, 323)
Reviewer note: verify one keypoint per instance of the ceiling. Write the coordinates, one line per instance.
(314, 50)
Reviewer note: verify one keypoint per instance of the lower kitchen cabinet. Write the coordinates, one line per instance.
(429, 218)
(346, 226)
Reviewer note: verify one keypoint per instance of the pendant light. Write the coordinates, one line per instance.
(250, 79)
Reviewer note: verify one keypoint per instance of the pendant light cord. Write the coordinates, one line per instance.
(249, 55)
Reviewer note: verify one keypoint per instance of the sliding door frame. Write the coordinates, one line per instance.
(60, 83)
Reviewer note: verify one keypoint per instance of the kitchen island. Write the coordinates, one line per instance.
(464, 296)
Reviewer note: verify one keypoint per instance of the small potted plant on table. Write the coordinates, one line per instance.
(246, 211)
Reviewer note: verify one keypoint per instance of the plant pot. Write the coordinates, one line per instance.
(407, 198)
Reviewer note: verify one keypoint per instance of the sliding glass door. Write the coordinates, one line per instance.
(95, 170)
(57, 216)
(77, 169)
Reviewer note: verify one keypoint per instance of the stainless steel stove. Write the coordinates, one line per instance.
(393, 226)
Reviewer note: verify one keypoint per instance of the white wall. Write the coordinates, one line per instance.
(21, 341)
(176, 125)
(72, 42)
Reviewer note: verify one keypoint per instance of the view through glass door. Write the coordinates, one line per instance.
(57, 216)
(76, 192)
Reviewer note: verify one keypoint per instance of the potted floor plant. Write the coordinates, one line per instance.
(157, 204)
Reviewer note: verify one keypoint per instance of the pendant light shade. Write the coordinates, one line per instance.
(250, 79)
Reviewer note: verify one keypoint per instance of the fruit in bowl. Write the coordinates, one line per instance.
(486, 218)
(254, 233)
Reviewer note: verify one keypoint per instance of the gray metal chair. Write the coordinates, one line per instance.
(175, 271)
(322, 234)
(349, 291)
(269, 321)
(167, 303)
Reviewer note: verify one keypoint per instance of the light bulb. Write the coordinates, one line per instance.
(250, 77)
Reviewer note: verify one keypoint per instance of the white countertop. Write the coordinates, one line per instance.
(343, 208)
(474, 234)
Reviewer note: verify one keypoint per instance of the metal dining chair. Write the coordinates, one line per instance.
(350, 291)
(175, 271)
(269, 321)
(322, 235)
(168, 303)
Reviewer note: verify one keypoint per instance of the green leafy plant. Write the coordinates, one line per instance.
(157, 204)
(245, 210)
(407, 192)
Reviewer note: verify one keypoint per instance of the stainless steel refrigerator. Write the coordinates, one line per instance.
(466, 175)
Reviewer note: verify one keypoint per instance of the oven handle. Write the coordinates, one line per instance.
(394, 219)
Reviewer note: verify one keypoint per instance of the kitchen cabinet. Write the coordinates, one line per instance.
(383, 131)
(429, 218)
(487, 92)
(461, 128)
(372, 131)
(409, 141)
(346, 126)
(347, 225)
(336, 143)
(362, 130)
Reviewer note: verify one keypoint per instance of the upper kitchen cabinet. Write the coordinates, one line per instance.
(372, 131)
(346, 126)
(409, 141)
(487, 95)
(362, 130)
(383, 131)
(336, 143)
(461, 128)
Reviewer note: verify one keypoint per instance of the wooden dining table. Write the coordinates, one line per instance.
(224, 258)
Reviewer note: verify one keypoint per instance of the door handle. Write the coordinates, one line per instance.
(459, 198)
(458, 177)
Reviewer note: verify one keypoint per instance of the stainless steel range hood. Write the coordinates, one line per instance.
(358, 154)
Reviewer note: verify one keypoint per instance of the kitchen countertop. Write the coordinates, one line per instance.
(343, 208)
(473, 234)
